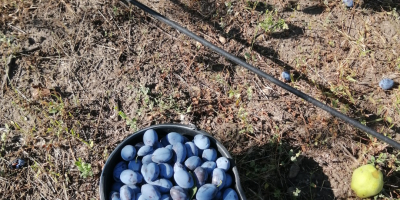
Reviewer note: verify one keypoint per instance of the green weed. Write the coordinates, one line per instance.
(6, 40)
(247, 127)
(84, 168)
(270, 24)
(249, 93)
(391, 161)
(144, 91)
(234, 93)
(131, 122)
(250, 57)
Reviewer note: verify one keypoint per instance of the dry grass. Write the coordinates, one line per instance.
(79, 76)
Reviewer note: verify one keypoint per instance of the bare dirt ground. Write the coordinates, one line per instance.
(79, 76)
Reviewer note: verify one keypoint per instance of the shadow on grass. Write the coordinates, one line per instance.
(379, 6)
(276, 171)
(314, 10)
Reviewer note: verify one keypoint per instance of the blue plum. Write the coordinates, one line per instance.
(134, 188)
(147, 159)
(201, 141)
(130, 177)
(126, 193)
(139, 196)
(135, 165)
(209, 155)
(200, 176)
(116, 186)
(193, 162)
(180, 152)
(178, 193)
(230, 194)
(164, 185)
(218, 177)
(206, 192)
(191, 149)
(161, 155)
(386, 83)
(166, 170)
(209, 166)
(183, 179)
(178, 167)
(223, 163)
(150, 192)
(286, 76)
(121, 166)
(174, 138)
(143, 171)
(145, 150)
(151, 172)
(150, 137)
(169, 146)
(128, 153)
(228, 181)
(348, 3)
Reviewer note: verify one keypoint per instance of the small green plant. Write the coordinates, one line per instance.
(146, 98)
(130, 122)
(249, 93)
(6, 40)
(56, 107)
(342, 90)
(234, 93)
(84, 168)
(246, 126)
(270, 24)
(115, 11)
(384, 159)
(250, 57)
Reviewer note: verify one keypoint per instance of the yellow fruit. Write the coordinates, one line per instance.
(366, 181)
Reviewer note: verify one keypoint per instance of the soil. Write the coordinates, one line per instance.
(80, 76)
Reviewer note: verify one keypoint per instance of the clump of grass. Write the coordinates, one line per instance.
(84, 168)
(272, 23)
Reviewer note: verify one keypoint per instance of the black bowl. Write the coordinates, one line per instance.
(106, 178)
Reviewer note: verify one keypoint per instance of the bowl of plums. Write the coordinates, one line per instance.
(170, 162)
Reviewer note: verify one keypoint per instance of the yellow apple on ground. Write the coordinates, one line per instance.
(367, 181)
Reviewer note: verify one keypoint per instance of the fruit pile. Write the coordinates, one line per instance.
(172, 168)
